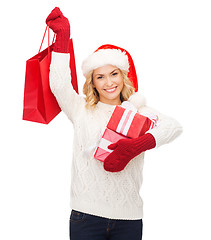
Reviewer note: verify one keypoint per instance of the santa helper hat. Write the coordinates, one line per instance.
(113, 55)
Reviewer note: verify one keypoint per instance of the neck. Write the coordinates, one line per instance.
(111, 102)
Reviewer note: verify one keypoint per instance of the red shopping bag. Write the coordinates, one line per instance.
(40, 105)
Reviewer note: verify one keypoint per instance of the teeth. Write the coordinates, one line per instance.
(110, 90)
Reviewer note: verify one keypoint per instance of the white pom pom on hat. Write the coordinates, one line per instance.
(113, 55)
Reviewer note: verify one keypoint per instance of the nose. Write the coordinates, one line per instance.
(109, 81)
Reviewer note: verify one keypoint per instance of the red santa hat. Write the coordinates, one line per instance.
(110, 54)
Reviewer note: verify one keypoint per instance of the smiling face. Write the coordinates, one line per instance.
(108, 81)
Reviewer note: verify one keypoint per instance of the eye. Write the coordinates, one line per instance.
(114, 74)
(99, 77)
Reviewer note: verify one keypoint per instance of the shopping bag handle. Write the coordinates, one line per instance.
(47, 28)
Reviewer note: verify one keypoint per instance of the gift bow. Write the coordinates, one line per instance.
(153, 118)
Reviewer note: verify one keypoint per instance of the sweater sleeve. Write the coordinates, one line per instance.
(167, 128)
(60, 84)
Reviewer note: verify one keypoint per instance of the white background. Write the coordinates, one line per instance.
(170, 42)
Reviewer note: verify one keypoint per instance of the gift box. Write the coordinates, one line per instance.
(130, 123)
(108, 138)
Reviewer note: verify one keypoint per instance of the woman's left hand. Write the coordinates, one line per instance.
(125, 150)
(61, 26)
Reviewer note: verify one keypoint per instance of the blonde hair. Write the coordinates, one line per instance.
(92, 95)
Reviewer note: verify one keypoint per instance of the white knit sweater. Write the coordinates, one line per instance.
(94, 190)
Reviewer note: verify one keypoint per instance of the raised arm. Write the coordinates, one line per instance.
(60, 76)
(60, 84)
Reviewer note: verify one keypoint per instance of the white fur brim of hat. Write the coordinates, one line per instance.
(104, 57)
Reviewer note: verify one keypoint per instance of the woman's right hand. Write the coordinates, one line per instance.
(61, 26)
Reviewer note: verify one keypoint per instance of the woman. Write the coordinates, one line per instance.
(105, 198)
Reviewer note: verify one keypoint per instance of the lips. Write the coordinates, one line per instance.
(111, 90)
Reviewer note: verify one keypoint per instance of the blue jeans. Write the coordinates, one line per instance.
(84, 226)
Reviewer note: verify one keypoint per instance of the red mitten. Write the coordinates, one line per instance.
(125, 150)
(61, 26)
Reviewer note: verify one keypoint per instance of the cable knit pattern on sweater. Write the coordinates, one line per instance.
(94, 190)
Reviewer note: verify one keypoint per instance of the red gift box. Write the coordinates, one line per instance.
(129, 123)
(108, 138)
